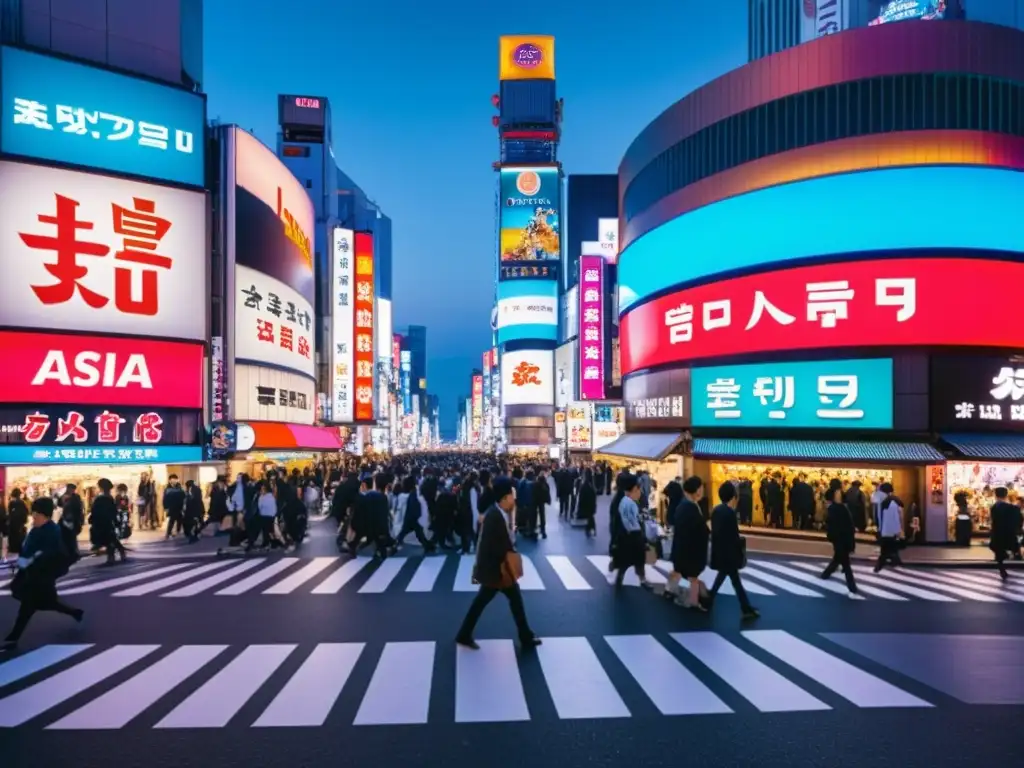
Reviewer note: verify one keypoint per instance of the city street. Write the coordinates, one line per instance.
(202, 660)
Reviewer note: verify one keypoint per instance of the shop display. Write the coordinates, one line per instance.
(979, 482)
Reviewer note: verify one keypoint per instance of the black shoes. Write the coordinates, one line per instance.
(750, 613)
(527, 643)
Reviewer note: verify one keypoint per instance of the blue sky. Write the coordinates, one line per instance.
(410, 86)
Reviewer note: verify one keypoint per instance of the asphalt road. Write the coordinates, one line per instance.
(191, 660)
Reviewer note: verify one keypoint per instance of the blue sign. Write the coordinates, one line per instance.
(11, 455)
(526, 309)
(64, 112)
(832, 394)
(796, 221)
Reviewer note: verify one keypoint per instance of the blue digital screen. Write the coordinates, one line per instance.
(99, 454)
(527, 309)
(841, 214)
(64, 112)
(832, 394)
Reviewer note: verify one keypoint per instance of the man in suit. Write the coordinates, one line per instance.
(492, 573)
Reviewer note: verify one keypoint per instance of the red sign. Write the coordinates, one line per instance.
(97, 370)
(307, 103)
(887, 303)
(363, 305)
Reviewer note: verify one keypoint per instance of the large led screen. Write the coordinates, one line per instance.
(527, 309)
(841, 214)
(897, 302)
(977, 394)
(527, 378)
(530, 200)
(830, 394)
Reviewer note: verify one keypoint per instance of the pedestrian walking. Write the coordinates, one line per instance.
(1006, 522)
(690, 546)
(728, 549)
(841, 532)
(890, 528)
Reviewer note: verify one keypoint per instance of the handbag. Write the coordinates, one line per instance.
(743, 552)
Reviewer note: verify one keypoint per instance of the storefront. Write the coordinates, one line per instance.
(258, 447)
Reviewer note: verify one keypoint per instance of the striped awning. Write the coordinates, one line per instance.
(816, 450)
(646, 446)
(987, 447)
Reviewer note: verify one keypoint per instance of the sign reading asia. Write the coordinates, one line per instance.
(833, 394)
(101, 255)
(50, 368)
(591, 330)
(977, 393)
(342, 326)
(363, 308)
(65, 112)
(894, 302)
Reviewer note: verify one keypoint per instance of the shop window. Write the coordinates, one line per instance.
(977, 481)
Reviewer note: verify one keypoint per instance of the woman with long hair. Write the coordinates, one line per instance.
(629, 548)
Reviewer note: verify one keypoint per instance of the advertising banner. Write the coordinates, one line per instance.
(365, 349)
(101, 255)
(218, 380)
(579, 418)
(608, 237)
(904, 10)
(527, 378)
(975, 394)
(893, 302)
(65, 112)
(406, 380)
(822, 18)
(96, 370)
(591, 293)
(75, 425)
(383, 330)
(608, 426)
(832, 394)
(478, 408)
(526, 57)
(527, 309)
(270, 327)
(302, 110)
(658, 400)
(13, 455)
(565, 374)
(530, 218)
(267, 394)
(342, 327)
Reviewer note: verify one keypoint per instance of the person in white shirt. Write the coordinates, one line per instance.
(890, 528)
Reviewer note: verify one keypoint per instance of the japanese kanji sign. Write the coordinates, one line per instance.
(363, 313)
(101, 255)
(343, 274)
(833, 394)
(658, 400)
(894, 302)
(268, 394)
(977, 393)
(591, 317)
(273, 323)
(527, 377)
(62, 111)
(89, 425)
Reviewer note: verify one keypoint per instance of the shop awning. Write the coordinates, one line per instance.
(648, 446)
(278, 436)
(814, 450)
(988, 447)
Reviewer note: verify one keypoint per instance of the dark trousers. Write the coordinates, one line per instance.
(737, 586)
(481, 601)
(591, 525)
(413, 526)
(1001, 565)
(563, 506)
(889, 551)
(174, 519)
(840, 559)
(114, 546)
(258, 524)
(29, 606)
(540, 518)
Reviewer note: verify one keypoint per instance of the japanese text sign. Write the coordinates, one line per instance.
(343, 326)
(268, 394)
(530, 201)
(101, 255)
(12, 455)
(977, 393)
(65, 112)
(578, 426)
(273, 323)
(72, 425)
(363, 309)
(657, 399)
(527, 377)
(591, 317)
(833, 394)
(896, 302)
(49, 368)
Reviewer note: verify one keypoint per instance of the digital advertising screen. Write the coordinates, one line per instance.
(887, 302)
(591, 330)
(823, 17)
(527, 309)
(526, 57)
(657, 400)
(527, 378)
(65, 112)
(343, 326)
(832, 394)
(977, 394)
(302, 110)
(579, 417)
(906, 10)
(530, 234)
(707, 243)
(566, 372)
(363, 300)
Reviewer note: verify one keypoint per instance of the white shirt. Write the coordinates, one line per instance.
(891, 520)
(629, 513)
(268, 505)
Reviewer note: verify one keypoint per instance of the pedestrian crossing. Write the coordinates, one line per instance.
(321, 576)
(164, 687)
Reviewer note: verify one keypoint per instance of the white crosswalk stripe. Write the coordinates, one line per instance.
(333, 575)
(212, 686)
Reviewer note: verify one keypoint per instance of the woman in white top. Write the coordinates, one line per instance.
(890, 528)
(266, 510)
(629, 547)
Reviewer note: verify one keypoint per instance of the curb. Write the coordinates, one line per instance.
(1011, 565)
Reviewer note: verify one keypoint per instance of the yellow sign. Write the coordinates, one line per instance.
(527, 57)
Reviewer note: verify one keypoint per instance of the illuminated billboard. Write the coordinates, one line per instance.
(530, 226)
(342, 327)
(905, 10)
(591, 331)
(365, 343)
(707, 242)
(887, 302)
(527, 309)
(527, 378)
(526, 57)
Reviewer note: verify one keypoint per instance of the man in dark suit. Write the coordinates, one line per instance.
(492, 573)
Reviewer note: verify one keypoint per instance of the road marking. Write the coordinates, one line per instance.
(313, 568)
(122, 581)
(308, 697)
(426, 574)
(399, 691)
(601, 562)
(780, 583)
(220, 697)
(259, 577)
(985, 580)
(578, 684)
(488, 688)
(939, 581)
(758, 683)
(531, 578)
(21, 667)
(118, 707)
(798, 576)
(168, 581)
(672, 688)
(921, 593)
(464, 577)
(381, 578)
(217, 578)
(964, 593)
(19, 708)
(853, 684)
(567, 572)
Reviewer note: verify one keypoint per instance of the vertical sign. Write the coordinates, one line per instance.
(478, 405)
(486, 423)
(342, 329)
(218, 387)
(363, 312)
(591, 327)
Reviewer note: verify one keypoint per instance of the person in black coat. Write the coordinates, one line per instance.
(541, 499)
(1006, 523)
(727, 549)
(492, 573)
(801, 503)
(103, 522)
(17, 520)
(586, 503)
(563, 487)
(690, 542)
(857, 505)
(839, 527)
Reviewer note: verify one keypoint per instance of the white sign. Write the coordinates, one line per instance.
(265, 394)
(608, 234)
(218, 380)
(527, 378)
(565, 373)
(605, 432)
(343, 274)
(96, 254)
(527, 310)
(385, 337)
(273, 323)
(596, 248)
(823, 17)
(571, 312)
(578, 425)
